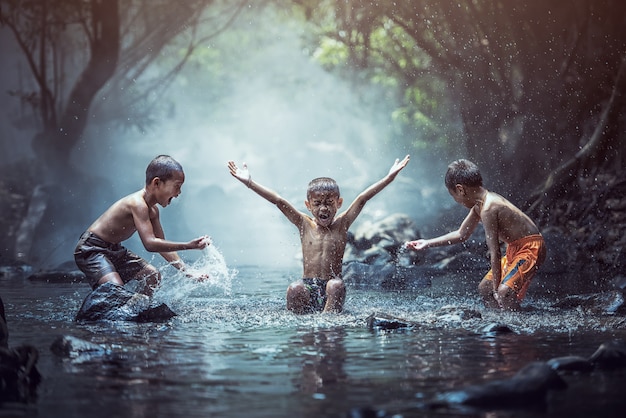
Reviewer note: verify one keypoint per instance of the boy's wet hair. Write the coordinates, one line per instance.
(463, 172)
(163, 167)
(322, 184)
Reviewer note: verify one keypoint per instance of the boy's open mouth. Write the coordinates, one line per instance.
(323, 216)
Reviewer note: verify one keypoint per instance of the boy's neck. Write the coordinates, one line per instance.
(148, 197)
(477, 194)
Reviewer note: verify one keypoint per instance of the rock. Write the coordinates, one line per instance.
(571, 364)
(68, 346)
(611, 354)
(112, 302)
(608, 303)
(19, 376)
(366, 275)
(529, 386)
(411, 277)
(619, 283)
(494, 329)
(385, 322)
(464, 261)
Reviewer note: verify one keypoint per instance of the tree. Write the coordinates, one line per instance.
(527, 80)
(81, 50)
(76, 49)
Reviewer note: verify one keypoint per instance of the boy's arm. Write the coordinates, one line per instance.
(490, 223)
(466, 229)
(151, 233)
(355, 208)
(243, 175)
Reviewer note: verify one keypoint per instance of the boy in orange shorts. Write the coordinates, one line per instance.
(505, 285)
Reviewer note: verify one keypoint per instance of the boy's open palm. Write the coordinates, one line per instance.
(240, 173)
(398, 165)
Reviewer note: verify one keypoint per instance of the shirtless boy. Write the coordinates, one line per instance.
(505, 285)
(99, 253)
(323, 236)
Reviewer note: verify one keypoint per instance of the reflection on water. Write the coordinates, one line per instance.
(233, 351)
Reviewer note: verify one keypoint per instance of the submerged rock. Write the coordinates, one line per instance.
(529, 386)
(610, 354)
(494, 329)
(571, 364)
(115, 303)
(68, 346)
(609, 303)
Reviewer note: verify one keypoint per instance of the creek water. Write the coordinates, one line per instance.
(234, 351)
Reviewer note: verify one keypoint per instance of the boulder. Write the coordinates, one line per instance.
(115, 303)
(529, 386)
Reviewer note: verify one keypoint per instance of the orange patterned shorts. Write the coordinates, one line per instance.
(519, 265)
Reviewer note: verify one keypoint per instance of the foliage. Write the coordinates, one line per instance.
(525, 82)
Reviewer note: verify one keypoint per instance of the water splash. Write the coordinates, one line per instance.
(184, 289)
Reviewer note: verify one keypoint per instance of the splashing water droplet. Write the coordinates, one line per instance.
(181, 290)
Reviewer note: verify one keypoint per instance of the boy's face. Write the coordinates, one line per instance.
(323, 206)
(167, 190)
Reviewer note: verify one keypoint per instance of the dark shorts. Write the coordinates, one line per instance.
(317, 290)
(96, 258)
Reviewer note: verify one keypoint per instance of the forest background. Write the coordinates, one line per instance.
(91, 90)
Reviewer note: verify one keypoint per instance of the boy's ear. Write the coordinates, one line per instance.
(460, 189)
(307, 204)
(339, 202)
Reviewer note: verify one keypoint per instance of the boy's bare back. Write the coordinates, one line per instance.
(506, 220)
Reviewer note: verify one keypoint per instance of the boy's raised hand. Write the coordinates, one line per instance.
(398, 165)
(242, 174)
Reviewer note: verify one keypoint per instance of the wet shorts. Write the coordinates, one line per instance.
(96, 258)
(519, 265)
(317, 290)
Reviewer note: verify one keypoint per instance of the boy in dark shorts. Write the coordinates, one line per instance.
(505, 285)
(323, 236)
(99, 253)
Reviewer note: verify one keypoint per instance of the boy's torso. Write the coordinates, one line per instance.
(322, 249)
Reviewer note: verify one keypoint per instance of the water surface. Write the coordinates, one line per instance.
(234, 351)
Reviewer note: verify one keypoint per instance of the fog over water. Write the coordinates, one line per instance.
(290, 121)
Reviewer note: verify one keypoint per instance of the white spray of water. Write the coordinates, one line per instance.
(184, 289)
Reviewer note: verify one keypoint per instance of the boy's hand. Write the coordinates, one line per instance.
(398, 165)
(242, 174)
(200, 278)
(417, 245)
(200, 242)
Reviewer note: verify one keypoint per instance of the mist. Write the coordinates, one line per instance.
(289, 120)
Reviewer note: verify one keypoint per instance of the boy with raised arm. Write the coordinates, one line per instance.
(323, 236)
(99, 253)
(505, 285)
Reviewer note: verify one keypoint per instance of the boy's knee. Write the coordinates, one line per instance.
(335, 286)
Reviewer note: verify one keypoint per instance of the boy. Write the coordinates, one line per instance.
(323, 237)
(99, 254)
(505, 285)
